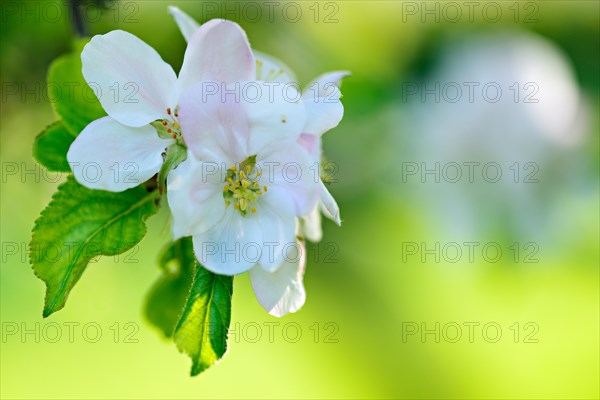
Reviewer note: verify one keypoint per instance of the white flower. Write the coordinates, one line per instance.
(243, 185)
(140, 92)
(324, 111)
(278, 288)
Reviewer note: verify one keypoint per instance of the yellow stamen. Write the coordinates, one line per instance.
(241, 188)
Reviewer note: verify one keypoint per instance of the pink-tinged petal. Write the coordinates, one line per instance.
(187, 25)
(195, 196)
(232, 246)
(134, 85)
(329, 205)
(217, 51)
(312, 144)
(326, 85)
(110, 156)
(271, 69)
(275, 112)
(322, 115)
(287, 169)
(282, 291)
(213, 128)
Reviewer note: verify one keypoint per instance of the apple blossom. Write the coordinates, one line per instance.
(126, 146)
(235, 194)
(278, 285)
(324, 111)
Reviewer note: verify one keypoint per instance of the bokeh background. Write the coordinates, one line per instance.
(368, 288)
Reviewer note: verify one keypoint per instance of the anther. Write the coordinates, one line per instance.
(240, 187)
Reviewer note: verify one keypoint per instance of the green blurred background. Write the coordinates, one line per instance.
(364, 290)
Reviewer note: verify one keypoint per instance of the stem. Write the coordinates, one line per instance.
(151, 184)
(78, 22)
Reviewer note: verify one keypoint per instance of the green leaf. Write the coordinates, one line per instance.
(175, 155)
(167, 297)
(80, 224)
(202, 330)
(51, 146)
(73, 100)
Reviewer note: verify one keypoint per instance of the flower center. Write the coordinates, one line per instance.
(242, 187)
(169, 128)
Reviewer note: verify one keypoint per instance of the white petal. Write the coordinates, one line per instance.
(329, 205)
(239, 126)
(322, 114)
(195, 196)
(213, 129)
(287, 169)
(187, 25)
(110, 156)
(275, 215)
(282, 291)
(310, 225)
(231, 246)
(326, 85)
(269, 68)
(276, 113)
(134, 85)
(217, 51)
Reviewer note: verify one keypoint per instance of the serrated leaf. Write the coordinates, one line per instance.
(73, 100)
(50, 147)
(80, 224)
(203, 328)
(167, 297)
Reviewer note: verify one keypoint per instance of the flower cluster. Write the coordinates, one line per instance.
(237, 142)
